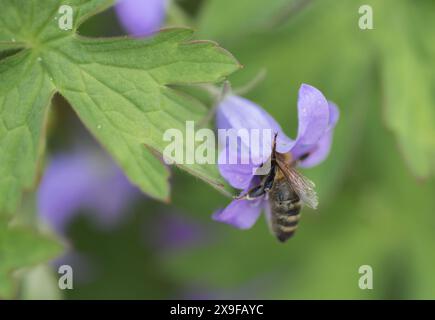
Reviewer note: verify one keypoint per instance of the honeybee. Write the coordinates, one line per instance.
(286, 190)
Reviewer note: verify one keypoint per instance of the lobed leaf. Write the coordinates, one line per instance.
(119, 88)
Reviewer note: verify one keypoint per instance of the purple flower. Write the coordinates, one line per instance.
(141, 18)
(317, 118)
(176, 231)
(84, 182)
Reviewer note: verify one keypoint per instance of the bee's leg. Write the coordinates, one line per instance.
(260, 190)
(253, 194)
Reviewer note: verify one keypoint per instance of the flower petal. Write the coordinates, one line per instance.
(241, 113)
(313, 113)
(141, 17)
(83, 183)
(334, 114)
(237, 175)
(323, 147)
(320, 152)
(235, 112)
(241, 214)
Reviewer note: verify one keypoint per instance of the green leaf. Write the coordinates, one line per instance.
(40, 283)
(407, 78)
(25, 92)
(119, 87)
(19, 248)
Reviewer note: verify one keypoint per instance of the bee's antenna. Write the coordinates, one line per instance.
(274, 143)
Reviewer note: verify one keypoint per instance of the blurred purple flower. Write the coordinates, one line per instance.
(141, 18)
(317, 118)
(83, 182)
(174, 231)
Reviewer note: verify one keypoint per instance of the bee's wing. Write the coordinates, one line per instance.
(303, 186)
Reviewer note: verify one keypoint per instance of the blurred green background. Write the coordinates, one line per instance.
(376, 189)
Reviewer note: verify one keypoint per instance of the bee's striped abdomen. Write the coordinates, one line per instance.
(287, 222)
(285, 208)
